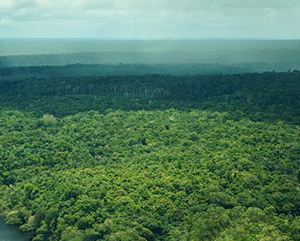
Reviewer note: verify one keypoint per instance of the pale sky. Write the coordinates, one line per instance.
(150, 19)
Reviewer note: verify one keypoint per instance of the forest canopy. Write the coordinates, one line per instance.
(151, 157)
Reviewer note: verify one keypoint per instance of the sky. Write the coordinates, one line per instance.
(150, 19)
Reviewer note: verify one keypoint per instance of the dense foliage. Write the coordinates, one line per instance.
(152, 157)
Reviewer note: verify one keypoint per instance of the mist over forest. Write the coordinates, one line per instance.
(226, 56)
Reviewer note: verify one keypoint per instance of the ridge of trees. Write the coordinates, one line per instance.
(258, 96)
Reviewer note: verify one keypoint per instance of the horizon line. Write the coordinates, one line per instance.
(148, 39)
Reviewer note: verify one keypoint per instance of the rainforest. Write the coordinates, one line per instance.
(135, 152)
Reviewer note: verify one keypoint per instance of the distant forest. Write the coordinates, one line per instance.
(150, 152)
(64, 90)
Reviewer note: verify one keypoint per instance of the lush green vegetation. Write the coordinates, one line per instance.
(151, 157)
